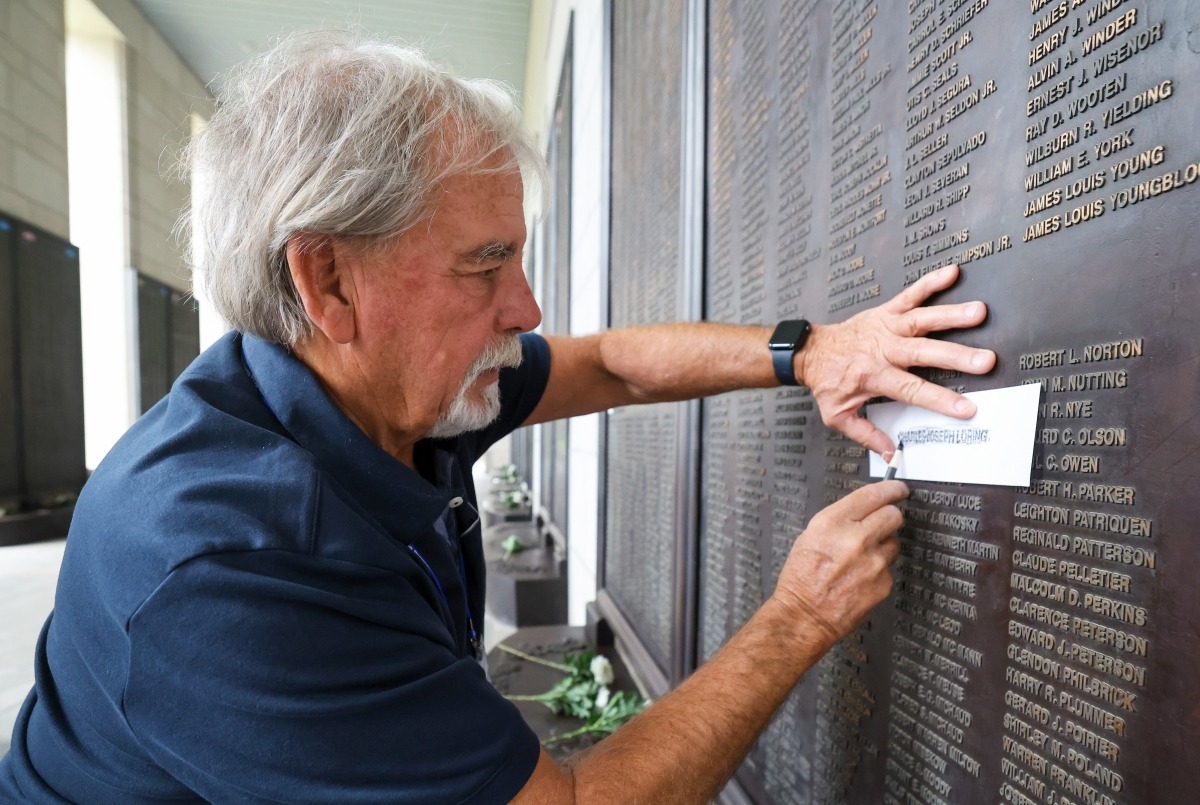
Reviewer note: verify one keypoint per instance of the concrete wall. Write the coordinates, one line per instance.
(33, 113)
(161, 93)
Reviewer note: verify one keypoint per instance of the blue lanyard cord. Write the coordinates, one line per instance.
(462, 571)
(471, 633)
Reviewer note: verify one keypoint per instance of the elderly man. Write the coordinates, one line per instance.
(273, 585)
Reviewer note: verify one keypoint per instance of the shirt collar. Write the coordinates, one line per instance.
(398, 497)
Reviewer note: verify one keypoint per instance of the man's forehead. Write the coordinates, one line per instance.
(478, 217)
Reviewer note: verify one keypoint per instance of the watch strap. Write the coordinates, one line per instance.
(788, 338)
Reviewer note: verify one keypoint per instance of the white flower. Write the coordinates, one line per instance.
(602, 670)
(602, 698)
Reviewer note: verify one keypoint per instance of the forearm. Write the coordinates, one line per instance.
(652, 363)
(659, 363)
(684, 747)
(844, 364)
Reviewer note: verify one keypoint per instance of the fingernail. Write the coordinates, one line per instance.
(972, 310)
(962, 406)
(979, 360)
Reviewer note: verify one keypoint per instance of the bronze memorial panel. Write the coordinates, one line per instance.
(1041, 644)
(645, 286)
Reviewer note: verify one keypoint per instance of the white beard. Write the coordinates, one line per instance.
(464, 415)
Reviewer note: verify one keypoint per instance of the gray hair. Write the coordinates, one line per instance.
(331, 133)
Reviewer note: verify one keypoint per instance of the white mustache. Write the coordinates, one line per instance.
(464, 416)
(502, 354)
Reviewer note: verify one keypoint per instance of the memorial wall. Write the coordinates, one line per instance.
(1040, 644)
(41, 369)
(646, 285)
(168, 337)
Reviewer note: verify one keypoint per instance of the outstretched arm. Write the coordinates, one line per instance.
(844, 364)
(685, 746)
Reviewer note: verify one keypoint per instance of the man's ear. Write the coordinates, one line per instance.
(325, 286)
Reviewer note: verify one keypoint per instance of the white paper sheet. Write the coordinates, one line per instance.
(993, 447)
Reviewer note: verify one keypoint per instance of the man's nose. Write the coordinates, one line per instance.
(520, 311)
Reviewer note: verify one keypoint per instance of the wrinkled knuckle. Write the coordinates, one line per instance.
(921, 352)
(910, 388)
(909, 325)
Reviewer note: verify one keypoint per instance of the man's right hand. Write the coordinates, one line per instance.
(839, 568)
(686, 745)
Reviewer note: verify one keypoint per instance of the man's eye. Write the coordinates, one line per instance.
(489, 273)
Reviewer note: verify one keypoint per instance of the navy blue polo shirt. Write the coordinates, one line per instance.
(256, 605)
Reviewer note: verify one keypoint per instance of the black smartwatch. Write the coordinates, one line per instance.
(789, 336)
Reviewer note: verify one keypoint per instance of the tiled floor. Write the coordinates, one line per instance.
(28, 574)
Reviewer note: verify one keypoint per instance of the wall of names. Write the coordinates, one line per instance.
(1037, 647)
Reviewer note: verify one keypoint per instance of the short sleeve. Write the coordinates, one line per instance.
(270, 676)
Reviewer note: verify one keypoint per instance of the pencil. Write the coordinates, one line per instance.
(894, 464)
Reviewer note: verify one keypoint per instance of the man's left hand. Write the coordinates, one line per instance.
(869, 355)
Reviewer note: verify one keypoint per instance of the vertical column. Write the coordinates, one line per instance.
(1090, 659)
(766, 73)
(647, 285)
(860, 91)
(941, 671)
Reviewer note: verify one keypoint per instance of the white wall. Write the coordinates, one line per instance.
(549, 24)
(96, 140)
(133, 120)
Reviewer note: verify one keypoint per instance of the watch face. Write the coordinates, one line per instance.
(787, 334)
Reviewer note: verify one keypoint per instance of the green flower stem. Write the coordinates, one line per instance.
(524, 697)
(613, 716)
(566, 669)
(566, 736)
